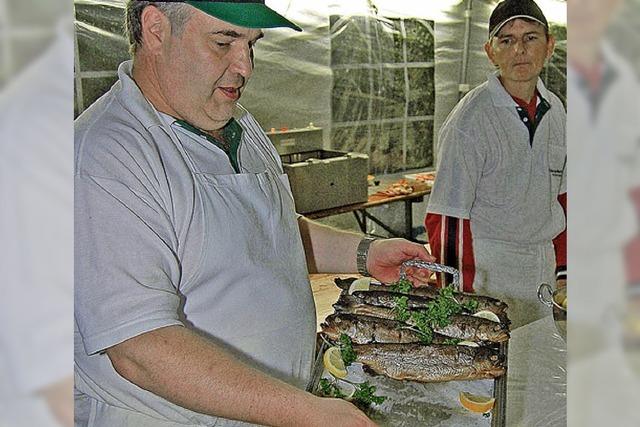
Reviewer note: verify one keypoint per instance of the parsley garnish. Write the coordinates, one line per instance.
(402, 286)
(471, 305)
(437, 314)
(401, 308)
(364, 395)
(346, 350)
(330, 389)
(422, 322)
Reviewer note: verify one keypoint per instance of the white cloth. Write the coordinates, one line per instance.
(604, 150)
(36, 229)
(604, 388)
(167, 234)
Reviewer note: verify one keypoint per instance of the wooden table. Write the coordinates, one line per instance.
(360, 212)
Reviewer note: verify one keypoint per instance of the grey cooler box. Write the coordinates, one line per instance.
(322, 179)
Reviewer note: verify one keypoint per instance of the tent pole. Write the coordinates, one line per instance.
(462, 86)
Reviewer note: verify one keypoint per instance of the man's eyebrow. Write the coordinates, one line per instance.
(236, 35)
(503, 36)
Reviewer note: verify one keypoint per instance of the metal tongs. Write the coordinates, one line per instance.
(431, 266)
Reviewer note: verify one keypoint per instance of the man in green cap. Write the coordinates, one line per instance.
(192, 299)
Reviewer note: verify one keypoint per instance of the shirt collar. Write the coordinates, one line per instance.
(501, 97)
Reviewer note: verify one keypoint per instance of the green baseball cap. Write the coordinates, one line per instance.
(244, 13)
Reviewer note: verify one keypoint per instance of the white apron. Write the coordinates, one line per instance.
(512, 274)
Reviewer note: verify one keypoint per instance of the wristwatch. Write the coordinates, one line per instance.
(362, 253)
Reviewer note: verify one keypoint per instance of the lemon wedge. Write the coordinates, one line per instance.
(347, 389)
(333, 363)
(361, 284)
(489, 315)
(469, 343)
(475, 403)
(561, 300)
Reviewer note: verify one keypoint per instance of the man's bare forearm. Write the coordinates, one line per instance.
(328, 250)
(188, 370)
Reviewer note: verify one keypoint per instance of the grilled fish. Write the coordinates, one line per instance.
(463, 327)
(387, 299)
(367, 329)
(484, 302)
(431, 363)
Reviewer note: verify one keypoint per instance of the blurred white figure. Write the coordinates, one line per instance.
(604, 152)
(603, 132)
(36, 229)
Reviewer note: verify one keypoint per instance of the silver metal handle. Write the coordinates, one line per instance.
(431, 266)
(541, 294)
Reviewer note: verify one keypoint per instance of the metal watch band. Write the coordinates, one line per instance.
(362, 253)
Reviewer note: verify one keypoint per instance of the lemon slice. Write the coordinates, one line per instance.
(347, 389)
(561, 300)
(361, 284)
(489, 315)
(475, 403)
(333, 363)
(469, 343)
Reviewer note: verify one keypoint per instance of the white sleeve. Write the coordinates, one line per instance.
(460, 161)
(127, 270)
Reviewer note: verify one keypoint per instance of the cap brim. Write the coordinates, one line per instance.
(499, 26)
(249, 15)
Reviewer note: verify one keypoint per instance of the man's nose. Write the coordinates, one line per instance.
(242, 62)
(519, 46)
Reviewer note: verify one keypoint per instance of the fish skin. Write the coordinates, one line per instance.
(431, 363)
(368, 329)
(484, 302)
(387, 299)
(468, 328)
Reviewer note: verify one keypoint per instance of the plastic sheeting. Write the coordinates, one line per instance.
(537, 376)
(378, 76)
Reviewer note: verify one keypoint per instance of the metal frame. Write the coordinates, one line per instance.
(362, 215)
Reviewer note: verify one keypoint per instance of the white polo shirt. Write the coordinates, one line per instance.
(489, 173)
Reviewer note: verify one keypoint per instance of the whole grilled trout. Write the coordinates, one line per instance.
(484, 302)
(387, 299)
(463, 327)
(431, 363)
(367, 329)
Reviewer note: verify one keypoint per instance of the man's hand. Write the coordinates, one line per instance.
(386, 256)
(339, 413)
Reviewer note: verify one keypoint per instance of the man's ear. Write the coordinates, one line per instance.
(489, 50)
(551, 45)
(156, 28)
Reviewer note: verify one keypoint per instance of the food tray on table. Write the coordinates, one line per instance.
(421, 377)
(410, 403)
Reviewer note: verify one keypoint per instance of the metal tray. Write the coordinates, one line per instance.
(411, 403)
